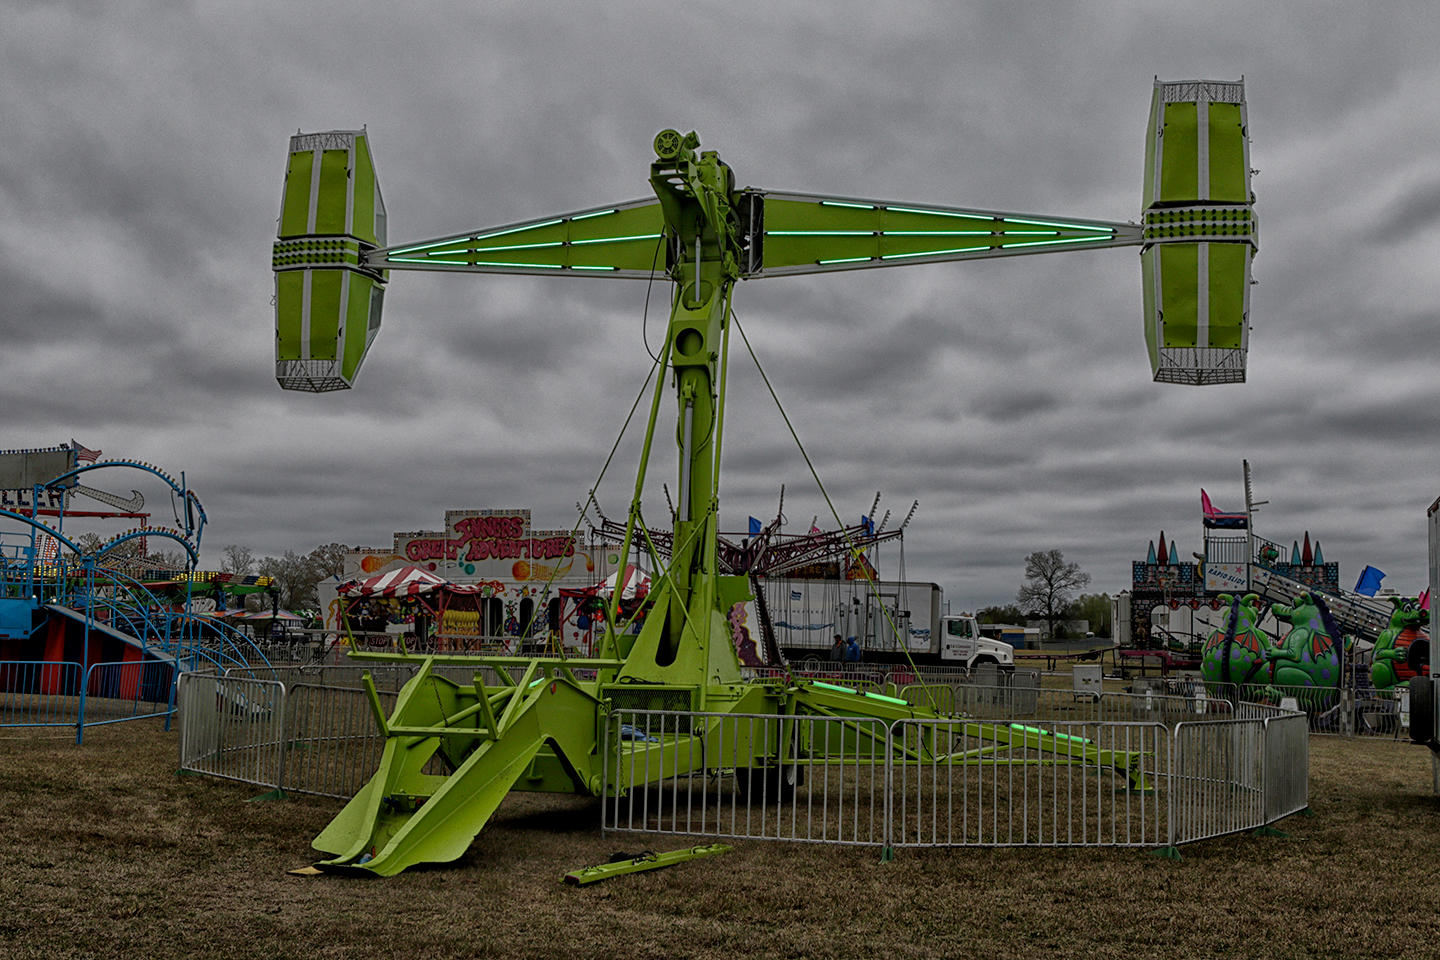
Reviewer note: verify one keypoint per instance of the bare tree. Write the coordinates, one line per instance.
(238, 560)
(1049, 585)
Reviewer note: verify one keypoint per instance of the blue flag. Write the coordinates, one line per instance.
(755, 526)
(869, 525)
(1369, 581)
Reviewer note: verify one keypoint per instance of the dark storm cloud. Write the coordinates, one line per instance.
(140, 184)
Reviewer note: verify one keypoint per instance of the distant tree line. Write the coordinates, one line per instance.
(296, 576)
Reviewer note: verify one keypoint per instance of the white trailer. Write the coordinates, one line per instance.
(888, 619)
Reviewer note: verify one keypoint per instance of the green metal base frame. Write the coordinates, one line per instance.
(642, 862)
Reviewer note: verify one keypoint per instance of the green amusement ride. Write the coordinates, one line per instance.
(545, 724)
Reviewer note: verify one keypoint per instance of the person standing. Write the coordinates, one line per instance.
(837, 650)
(852, 651)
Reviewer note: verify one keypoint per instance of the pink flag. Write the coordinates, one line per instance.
(1425, 599)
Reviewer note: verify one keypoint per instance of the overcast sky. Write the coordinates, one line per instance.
(144, 150)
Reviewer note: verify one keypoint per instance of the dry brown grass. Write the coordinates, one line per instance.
(105, 851)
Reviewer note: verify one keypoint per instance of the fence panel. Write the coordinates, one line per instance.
(39, 693)
(962, 783)
(332, 743)
(127, 690)
(1217, 779)
(696, 774)
(232, 727)
(1287, 766)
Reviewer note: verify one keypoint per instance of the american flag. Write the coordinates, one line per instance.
(82, 455)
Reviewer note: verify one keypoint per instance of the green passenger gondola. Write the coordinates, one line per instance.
(1200, 232)
(327, 301)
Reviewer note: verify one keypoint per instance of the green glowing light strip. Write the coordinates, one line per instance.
(1041, 243)
(527, 226)
(940, 253)
(844, 260)
(477, 263)
(516, 246)
(638, 236)
(881, 696)
(579, 266)
(587, 216)
(941, 213)
(819, 233)
(1093, 227)
(830, 686)
(431, 246)
(841, 203)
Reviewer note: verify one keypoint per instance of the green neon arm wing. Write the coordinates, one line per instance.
(619, 240)
(809, 233)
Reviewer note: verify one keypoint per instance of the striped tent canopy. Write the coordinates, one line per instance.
(407, 581)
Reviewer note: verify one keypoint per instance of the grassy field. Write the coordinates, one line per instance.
(106, 851)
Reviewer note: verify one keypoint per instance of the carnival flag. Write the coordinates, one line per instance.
(83, 455)
(1369, 581)
(755, 526)
(1425, 599)
(869, 525)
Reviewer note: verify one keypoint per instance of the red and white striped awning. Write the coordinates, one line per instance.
(409, 581)
(635, 583)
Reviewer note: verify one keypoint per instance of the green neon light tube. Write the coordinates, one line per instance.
(587, 216)
(581, 266)
(1041, 243)
(527, 226)
(638, 236)
(819, 233)
(513, 246)
(1066, 226)
(431, 246)
(881, 696)
(939, 213)
(501, 263)
(393, 259)
(844, 260)
(841, 203)
(830, 686)
(477, 263)
(1024, 729)
(939, 253)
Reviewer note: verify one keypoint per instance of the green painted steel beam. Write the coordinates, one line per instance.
(642, 862)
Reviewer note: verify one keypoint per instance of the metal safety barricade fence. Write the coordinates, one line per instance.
(964, 783)
(39, 693)
(1137, 771)
(232, 727)
(332, 742)
(698, 774)
(1287, 766)
(953, 782)
(127, 690)
(1218, 781)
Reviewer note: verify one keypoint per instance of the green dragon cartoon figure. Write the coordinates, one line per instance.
(1307, 656)
(1392, 665)
(1236, 653)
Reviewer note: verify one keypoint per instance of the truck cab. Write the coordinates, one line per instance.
(962, 644)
